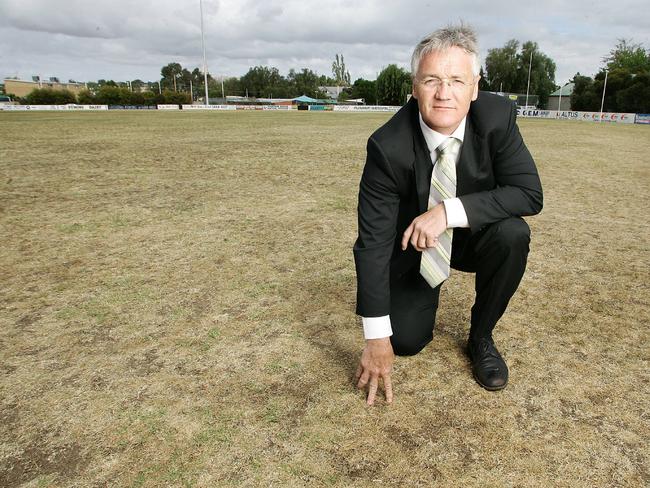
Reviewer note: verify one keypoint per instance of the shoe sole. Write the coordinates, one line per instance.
(489, 388)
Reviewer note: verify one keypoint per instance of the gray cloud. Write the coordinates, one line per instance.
(120, 39)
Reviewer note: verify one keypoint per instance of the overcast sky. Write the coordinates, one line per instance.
(88, 40)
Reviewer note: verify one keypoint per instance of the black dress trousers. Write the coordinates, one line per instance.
(497, 254)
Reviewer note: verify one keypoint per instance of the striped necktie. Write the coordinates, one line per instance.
(434, 266)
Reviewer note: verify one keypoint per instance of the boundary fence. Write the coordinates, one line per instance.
(609, 117)
(619, 118)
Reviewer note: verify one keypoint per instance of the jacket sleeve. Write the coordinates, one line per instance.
(518, 190)
(377, 220)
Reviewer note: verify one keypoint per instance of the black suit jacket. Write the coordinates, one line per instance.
(496, 179)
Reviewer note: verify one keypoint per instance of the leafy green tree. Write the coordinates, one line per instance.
(263, 81)
(63, 97)
(365, 89)
(112, 95)
(305, 82)
(542, 73)
(326, 81)
(151, 98)
(170, 75)
(501, 65)
(137, 85)
(197, 76)
(136, 98)
(393, 85)
(85, 97)
(635, 98)
(628, 76)
(198, 83)
(629, 56)
(617, 80)
(344, 96)
(232, 86)
(48, 96)
(340, 72)
(183, 80)
(507, 70)
(178, 98)
(584, 97)
(624, 92)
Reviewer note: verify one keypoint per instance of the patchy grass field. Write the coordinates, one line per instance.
(177, 309)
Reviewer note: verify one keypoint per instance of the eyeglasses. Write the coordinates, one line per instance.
(435, 83)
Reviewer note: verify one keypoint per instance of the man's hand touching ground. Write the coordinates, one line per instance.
(376, 363)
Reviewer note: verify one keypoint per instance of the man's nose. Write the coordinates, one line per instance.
(444, 91)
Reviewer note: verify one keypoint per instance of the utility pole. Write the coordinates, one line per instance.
(602, 102)
(530, 65)
(205, 64)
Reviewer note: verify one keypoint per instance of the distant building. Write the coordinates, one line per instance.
(22, 88)
(333, 92)
(564, 93)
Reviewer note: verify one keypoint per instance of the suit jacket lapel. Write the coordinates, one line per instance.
(469, 159)
(423, 164)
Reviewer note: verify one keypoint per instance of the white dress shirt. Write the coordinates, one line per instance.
(379, 327)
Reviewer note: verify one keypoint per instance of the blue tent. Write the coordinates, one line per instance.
(306, 99)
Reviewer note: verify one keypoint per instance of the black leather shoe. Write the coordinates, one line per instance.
(488, 367)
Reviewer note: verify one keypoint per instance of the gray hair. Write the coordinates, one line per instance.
(462, 36)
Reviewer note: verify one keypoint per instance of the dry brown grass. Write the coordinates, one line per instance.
(177, 299)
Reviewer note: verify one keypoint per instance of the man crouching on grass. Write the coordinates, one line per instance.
(445, 184)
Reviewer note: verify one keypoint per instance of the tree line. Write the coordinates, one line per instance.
(105, 95)
(506, 69)
(627, 67)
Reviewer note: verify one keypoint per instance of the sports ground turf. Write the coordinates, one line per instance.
(177, 309)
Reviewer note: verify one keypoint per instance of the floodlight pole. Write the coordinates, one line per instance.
(559, 102)
(602, 102)
(530, 65)
(205, 64)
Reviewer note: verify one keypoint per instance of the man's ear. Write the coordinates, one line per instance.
(475, 92)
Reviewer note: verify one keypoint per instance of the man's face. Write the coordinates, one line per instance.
(444, 86)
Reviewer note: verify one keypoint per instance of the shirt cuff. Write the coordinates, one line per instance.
(456, 216)
(376, 327)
